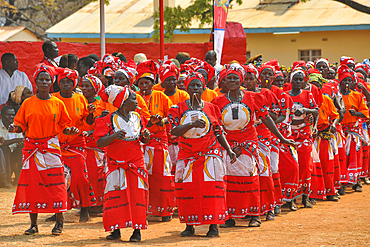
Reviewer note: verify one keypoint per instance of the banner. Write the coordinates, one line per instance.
(220, 15)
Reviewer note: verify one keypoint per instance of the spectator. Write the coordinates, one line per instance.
(181, 56)
(51, 51)
(138, 58)
(3, 178)
(17, 96)
(10, 76)
(94, 57)
(211, 57)
(68, 61)
(12, 146)
(83, 65)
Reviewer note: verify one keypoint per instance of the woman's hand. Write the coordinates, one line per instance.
(309, 119)
(289, 142)
(87, 133)
(155, 119)
(1, 141)
(199, 123)
(352, 112)
(120, 135)
(314, 132)
(333, 129)
(14, 129)
(238, 151)
(91, 108)
(71, 131)
(232, 156)
(145, 133)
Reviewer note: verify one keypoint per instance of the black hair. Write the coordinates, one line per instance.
(67, 60)
(6, 56)
(46, 45)
(94, 57)
(120, 55)
(87, 61)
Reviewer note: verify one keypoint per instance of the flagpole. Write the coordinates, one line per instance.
(161, 29)
(102, 29)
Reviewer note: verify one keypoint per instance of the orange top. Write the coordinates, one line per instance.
(327, 111)
(77, 110)
(158, 87)
(158, 103)
(179, 96)
(140, 103)
(42, 118)
(354, 101)
(208, 95)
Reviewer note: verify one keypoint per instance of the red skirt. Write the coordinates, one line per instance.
(242, 186)
(41, 186)
(289, 172)
(200, 191)
(80, 191)
(305, 163)
(275, 171)
(125, 198)
(95, 171)
(354, 158)
(366, 160)
(267, 199)
(161, 181)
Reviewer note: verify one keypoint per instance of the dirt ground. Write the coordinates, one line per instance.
(343, 223)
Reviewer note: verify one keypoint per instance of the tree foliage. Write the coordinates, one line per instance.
(179, 18)
(37, 15)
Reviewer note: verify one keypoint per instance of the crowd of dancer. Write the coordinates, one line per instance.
(135, 138)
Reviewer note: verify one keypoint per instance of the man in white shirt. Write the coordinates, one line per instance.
(10, 77)
(12, 146)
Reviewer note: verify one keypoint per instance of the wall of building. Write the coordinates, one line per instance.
(29, 54)
(23, 35)
(333, 44)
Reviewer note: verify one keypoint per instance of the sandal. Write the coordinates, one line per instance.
(255, 221)
(270, 215)
(292, 206)
(166, 218)
(58, 228)
(33, 229)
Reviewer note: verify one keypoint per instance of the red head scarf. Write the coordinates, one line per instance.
(313, 71)
(167, 70)
(321, 60)
(250, 68)
(146, 69)
(274, 63)
(193, 62)
(116, 95)
(347, 60)
(67, 73)
(344, 72)
(44, 68)
(362, 66)
(107, 66)
(299, 63)
(221, 75)
(208, 68)
(194, 76)
(129, 72)
(186, 68)
(278, 73)
(297, 71)
(95, 82)
(237, 69)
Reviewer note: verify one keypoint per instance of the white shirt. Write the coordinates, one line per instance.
(8, 84)
(4, 133)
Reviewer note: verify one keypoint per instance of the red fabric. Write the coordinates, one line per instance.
(147, 66)
(194, 76)
(277, 189)
(317, 95)
(305, 167)
(298, 64)
(327, 166)
(236, 69)
(347, 60)
(95, 83)
(344, 72)
(126, 205)
(80, 191)
(200, 197)
(354, 163)
(250, 68)
(161, 181)
(337, 171)
(95, 170)
(365, 163)
(167, 70)
(317, 182)
(289, 172)
(40, 190)
(44, 68)
(221, 76)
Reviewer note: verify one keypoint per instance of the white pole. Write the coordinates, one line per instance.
(102, 29)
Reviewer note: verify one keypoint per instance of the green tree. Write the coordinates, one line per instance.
(37, 15)
(177, 17)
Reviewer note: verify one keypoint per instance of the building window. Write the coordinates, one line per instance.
(309, 55)
(248, 54)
